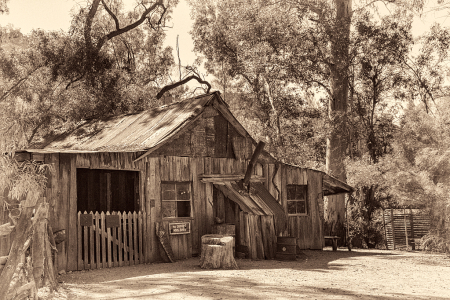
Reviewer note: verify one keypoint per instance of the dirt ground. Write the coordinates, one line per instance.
(360, 274)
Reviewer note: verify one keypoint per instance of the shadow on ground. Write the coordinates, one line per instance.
(254, 280)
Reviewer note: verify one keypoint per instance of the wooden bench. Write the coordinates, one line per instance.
(334, 240)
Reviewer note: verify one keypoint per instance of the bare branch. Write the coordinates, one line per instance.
(177, 84)
(141, 20)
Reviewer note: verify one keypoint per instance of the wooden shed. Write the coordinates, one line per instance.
(180, 167)
(404, 227)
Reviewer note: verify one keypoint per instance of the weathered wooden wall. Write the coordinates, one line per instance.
(308, 229)
(62, 195)
(209, 136)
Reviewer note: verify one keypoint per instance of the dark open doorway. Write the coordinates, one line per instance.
(107, 190)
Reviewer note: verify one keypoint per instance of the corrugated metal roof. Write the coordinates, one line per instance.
(133, 132)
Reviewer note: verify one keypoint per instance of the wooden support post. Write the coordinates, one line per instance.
(385, 229)
(411, 223)
(406, 229)
(393, 228)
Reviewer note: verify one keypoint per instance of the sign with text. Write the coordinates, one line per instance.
(180, 228)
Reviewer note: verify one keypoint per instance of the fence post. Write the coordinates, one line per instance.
(406, 228)
(411, 222)
(393, 228)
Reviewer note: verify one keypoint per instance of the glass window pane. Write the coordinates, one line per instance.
(300, 192)
(183, 192)
(301, 207)
(291, 206)
(184, 209)
(168, 191)
(290, 192)
(169, 209)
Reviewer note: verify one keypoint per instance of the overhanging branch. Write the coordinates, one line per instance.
(177, 84)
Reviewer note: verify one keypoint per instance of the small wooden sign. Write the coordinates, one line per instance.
(179, 228)
(112, 221)
(86, 220)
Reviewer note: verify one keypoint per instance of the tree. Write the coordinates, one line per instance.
(417, 173)
(249, 44)
(305, 44)
(56, 84)
(50, 77)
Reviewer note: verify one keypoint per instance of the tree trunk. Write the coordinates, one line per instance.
(38, 248)
(24, 229)
(337, 141)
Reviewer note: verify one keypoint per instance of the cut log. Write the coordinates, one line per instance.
(217, 252)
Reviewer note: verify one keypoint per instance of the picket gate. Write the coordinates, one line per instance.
(107, 240)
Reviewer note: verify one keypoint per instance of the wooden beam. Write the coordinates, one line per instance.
(217, 178)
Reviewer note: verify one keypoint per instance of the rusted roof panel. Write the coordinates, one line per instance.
(130, 133)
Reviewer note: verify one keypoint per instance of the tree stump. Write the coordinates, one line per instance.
(217, 252)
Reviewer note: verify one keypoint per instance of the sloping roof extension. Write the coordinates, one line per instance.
(333, 186)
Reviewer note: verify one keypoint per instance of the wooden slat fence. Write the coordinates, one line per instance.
(405, 227)
(110, 240)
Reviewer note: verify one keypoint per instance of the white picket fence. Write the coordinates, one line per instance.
(110, 240)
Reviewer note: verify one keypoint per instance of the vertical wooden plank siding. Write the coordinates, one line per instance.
(150, 244)
(156, 213)
(63, 208)
(318, 194)
(307, 229)
(283, 172)
(72, 237)
(52, 186)
(209, 208)
(196, 169)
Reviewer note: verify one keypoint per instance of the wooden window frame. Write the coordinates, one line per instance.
(176, 200)
(297, 200)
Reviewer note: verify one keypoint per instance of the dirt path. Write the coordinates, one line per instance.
(360, 274)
